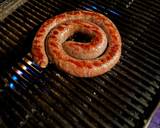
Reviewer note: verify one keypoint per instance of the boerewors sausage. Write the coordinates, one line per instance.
(79, 59)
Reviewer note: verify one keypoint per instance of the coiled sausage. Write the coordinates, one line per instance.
(79, 59)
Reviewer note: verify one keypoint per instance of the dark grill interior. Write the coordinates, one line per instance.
(122, 98)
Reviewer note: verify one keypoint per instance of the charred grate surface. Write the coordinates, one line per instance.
(122, 98)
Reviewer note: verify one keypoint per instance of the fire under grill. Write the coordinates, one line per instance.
(122, 98)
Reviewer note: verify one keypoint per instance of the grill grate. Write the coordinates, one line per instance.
(122, 98)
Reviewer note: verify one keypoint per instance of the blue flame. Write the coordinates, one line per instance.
(87, 8)
(14, 78)
(113, 12)
(11, 85)
(94, 7)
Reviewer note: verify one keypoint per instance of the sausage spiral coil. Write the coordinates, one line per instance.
(79, 59)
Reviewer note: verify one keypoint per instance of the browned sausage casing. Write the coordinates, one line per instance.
(76, 58)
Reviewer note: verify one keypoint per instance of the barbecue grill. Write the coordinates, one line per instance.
(125, 97)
